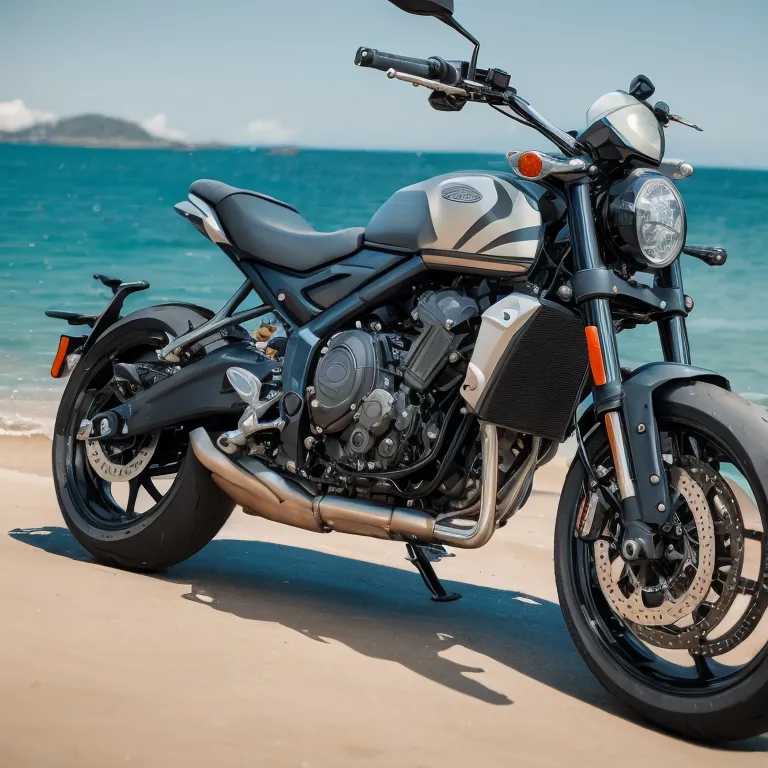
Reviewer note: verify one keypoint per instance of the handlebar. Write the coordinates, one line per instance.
(433, 68)
(491, 87)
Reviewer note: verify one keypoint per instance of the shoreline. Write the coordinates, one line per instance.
(30, 454)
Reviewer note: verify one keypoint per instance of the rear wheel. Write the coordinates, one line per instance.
(142, 503)
(682, 641)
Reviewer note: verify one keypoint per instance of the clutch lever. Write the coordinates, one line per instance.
(393, 74)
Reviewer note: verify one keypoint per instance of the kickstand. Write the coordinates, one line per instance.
(421, 556)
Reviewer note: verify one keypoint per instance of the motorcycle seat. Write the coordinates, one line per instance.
(269, 230)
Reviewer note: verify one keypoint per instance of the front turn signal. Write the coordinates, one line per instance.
(530, 165)
(538, 165)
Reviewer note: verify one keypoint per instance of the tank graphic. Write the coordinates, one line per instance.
(470, 221)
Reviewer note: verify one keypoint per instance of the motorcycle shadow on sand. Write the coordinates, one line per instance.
(381, 612)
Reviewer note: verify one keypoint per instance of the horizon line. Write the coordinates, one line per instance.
(216, 146)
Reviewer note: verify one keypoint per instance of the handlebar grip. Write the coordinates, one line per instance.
(369, 57)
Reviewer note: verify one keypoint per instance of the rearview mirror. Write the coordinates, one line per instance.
(439, 8)
(641, 88)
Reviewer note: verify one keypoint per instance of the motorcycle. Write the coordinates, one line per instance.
(413, 375)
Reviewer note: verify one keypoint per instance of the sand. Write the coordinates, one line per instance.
(278, 647)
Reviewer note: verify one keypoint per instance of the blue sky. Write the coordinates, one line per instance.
(282, 71)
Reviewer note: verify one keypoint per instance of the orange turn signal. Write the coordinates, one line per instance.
(595, 356)
(61, 358)
(529, 164)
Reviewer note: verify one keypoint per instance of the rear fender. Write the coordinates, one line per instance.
(198, 390)
(640, 389)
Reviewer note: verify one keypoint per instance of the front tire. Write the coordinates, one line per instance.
(183, 519)
(716, 710)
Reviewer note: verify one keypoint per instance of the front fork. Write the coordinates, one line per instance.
(633, 437)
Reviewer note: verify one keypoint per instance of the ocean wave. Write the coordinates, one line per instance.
(18, 425)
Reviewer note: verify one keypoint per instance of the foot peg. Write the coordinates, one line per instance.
(422, 556)
(248, 387)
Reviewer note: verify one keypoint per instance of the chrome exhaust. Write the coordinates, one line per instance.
(262, 491)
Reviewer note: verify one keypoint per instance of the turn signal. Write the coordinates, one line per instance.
(529, 164)
(595, 356)
(57, 369)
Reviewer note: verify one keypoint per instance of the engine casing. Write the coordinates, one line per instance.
(376, 393)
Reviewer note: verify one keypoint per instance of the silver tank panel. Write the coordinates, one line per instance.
(468, 221)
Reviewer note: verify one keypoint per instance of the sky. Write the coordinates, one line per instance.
(262, 72)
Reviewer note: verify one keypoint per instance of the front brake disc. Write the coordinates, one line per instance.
(727, 582)
(632, 607)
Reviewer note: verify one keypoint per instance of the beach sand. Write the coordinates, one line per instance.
(278, 647)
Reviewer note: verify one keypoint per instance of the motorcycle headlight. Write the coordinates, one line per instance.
(646, 219)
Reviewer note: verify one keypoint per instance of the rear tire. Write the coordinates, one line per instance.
(192, 511)
(735, 711)
(187, 518)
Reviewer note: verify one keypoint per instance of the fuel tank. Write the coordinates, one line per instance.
(485, 222)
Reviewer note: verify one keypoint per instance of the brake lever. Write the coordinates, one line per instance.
(661, 110)
(678, 119)
(433, 85)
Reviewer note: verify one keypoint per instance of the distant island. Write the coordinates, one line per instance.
(96, 131)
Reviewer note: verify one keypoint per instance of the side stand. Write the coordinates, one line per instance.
(422, 557)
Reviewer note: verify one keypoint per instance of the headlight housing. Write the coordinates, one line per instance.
(645, 219)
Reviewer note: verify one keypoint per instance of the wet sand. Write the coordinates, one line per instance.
(278, 647)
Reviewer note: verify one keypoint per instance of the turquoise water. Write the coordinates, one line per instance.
(66, 213)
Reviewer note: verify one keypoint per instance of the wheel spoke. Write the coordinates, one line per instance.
(694, 444)
(133, 492)
(703, 667)
(151, 488)
(754, 535)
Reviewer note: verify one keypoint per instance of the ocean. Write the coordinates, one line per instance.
(66, 213)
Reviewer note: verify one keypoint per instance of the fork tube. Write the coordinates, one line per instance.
(604, 353)
(586, 255)
(673, 333)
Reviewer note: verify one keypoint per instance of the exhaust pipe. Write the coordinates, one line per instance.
(263, 492)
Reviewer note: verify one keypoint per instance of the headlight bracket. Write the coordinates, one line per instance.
(604, 283)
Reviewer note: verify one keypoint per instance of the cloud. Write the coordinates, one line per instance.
(16, 116)
(157, 125)
(265, 131)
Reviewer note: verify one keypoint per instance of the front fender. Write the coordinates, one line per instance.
(639, 391)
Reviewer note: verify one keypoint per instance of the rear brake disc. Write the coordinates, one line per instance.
(134, 461)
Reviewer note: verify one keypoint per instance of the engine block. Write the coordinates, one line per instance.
(377, 395)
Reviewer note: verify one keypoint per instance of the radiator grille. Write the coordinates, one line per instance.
(537, 384)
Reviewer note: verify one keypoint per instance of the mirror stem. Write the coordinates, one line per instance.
(451, 22)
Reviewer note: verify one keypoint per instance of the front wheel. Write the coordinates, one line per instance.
(143, 503)
(682, 641)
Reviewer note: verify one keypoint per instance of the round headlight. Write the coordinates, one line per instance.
(660, 222)
(646, 219)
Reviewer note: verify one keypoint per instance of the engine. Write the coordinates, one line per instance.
(382, 392)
